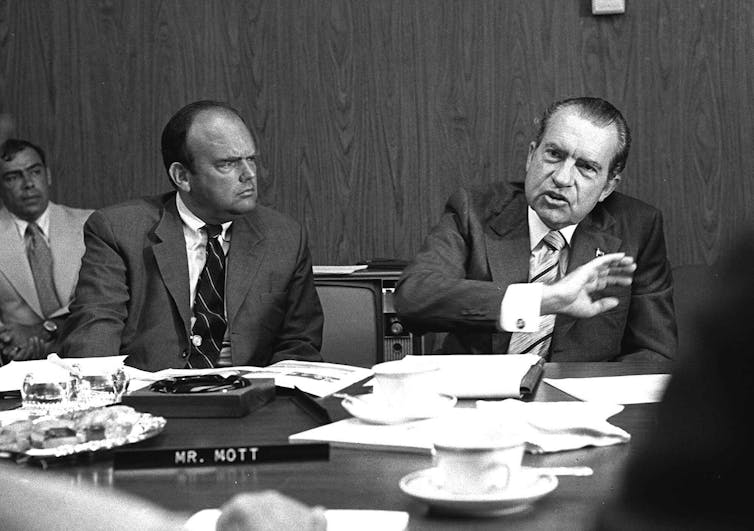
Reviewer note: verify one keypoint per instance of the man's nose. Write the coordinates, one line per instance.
(248, 170)
(563, 175)
(29, 180)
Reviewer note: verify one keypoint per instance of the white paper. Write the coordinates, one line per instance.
(337, 520)
(337, 270)
(481, 376)
(415, 437)
(316, 378)
(12, 375)
(632, 389)
(557, 426)
(546, 426)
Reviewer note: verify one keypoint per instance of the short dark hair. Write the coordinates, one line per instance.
(174, 135)
(10, 147)
(601, 113)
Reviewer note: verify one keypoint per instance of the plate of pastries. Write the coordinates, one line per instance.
(75, 432)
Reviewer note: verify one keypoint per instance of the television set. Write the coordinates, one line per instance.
(353, 330)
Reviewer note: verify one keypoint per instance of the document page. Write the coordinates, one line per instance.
(474, 376)
(632, 389)
(337, 270)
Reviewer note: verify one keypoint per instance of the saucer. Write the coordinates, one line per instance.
(371, 409)
(532, 486)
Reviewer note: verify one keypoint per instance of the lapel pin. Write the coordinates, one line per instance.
(598, 252)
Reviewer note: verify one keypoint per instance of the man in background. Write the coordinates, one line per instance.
(41, 244)
(202, 276)
(565, 268)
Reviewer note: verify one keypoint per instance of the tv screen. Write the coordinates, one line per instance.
(353, 321)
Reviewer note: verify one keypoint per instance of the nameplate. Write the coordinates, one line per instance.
(124, 459)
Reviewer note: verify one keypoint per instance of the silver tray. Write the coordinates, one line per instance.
(145, 427)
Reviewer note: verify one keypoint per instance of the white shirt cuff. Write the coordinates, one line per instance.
(519, 311)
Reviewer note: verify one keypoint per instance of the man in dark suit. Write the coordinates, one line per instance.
(199, 277)
(550, 268)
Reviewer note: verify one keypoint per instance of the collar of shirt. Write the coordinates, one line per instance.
(192, 224)
(196, 244)
(538, 230)
(43, 221)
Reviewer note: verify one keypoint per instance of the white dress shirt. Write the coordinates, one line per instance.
(522, 302)
(196, 243)
(196, 251)
(42, 221)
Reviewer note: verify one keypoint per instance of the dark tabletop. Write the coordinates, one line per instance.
(360, 479)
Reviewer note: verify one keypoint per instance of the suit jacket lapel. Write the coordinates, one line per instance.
(507, 242)
(246, 255)
(508, 250)
(172, 261)
(593, 234)
(14, 263)
(63, 238)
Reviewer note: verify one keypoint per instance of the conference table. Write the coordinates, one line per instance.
(369, 479)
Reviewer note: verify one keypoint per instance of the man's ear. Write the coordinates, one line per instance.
(610, 186)
(49, 176)
(532, 148)
(180, 176)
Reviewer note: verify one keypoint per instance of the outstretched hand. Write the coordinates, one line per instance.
(573, 294)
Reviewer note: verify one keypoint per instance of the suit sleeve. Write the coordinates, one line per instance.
(447, 285)
(300, 335)
(651, 332)
(98, 309)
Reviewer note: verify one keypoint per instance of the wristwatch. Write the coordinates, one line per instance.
(51, 328)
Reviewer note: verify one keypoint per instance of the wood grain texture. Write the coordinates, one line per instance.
(369, 114)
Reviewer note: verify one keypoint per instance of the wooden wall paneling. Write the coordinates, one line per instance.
(701, 98)
(26, 75)
(653, 165)
(369, 114)
(737, 110)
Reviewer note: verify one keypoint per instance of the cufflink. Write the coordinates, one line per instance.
(196, 340)
(520, 323)
(598, 252)
(50, 327)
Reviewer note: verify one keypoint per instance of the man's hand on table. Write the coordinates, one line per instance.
(23, 342)
(572, 295)
(269, 511)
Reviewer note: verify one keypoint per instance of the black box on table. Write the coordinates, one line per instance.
(229, 403)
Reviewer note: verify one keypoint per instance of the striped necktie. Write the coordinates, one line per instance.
(40, 261)
(545, 271)
(209, 305)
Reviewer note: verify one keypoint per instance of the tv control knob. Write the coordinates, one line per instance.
(396, 328)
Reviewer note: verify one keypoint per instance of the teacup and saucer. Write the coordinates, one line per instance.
(403, 390)
(478, 471)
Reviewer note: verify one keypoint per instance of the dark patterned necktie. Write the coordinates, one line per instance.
(546, 271)
(209, 305)
(40, 261)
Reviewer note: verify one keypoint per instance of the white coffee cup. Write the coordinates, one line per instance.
(405, 384)
(478, 459)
